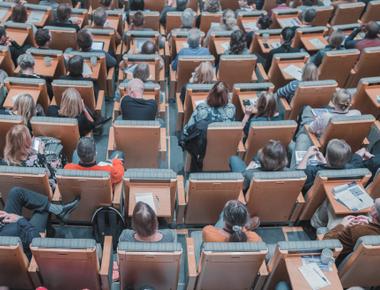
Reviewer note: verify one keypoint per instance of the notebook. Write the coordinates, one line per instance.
(352, 196)
(35, 16)
(294, 71)
(317, 43)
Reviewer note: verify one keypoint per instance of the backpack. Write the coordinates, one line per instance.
(107, 221)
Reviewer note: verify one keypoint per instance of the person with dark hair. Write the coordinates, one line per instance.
(142, 72)
(99, 21)
(216, 108)
(145, 227)
(336, 40)
(371, 39)
(15, 49)
(137, 21)
(272, 157)
(84, 39)
(264, 22)
(177, 5)
(136, 5)
(235, 218)
(238, 43)
(308, 16)
(63, 17)
(42, 38)
(86, 150)
(287, 35)
(19, 13)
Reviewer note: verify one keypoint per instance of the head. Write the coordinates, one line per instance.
(135, 5)
(308, 15)
(229, 19)
(3, 35)
(71, 103)
(181, 5)
(84, 40)
(375, 211)
(212, 6)
(336, 39)
(187, 18)
(218, 95)
(24, 106)
(144, 220)
(26, 63)
(141, 72)
(194, 38)
(204, 73)
(264, 22)
(238, 42)
(273, 156)
(266, 105)
(18, 144)
(99, 16)
(75, 65)
(338, 153)
(42, 37)
(235, 215)
(63, 12)
(138, 19)
(135, 88)
(287, 35)
(19, 13)
(310, 72)
(106, 3)
(149, 47)
(372, 30)
(86, 150)
(342, 100)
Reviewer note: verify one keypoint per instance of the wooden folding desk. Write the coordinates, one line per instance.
(106, 39)
(283, 64)
(288, 20)
(18, 35)
(273, 42)
(17, 90)
(373, 92)
(307, 40)
(221, 44)
(251, 96)
(180, 43)
(79, 17)
(94, 68)
(249, 23)
(37, 17)
(40, 67)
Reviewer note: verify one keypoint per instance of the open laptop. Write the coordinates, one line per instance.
(97, 45)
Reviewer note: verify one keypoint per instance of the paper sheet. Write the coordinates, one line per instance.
(275, 44)
(87, 71)
(353, 197)
(225, 45)
(314, 276)
(146, 197)
(294, 71)
(317, 43)
(289, 22)
(35, 16)
(250, 26)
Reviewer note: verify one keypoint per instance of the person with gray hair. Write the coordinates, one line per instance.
(194, 49)
(26, 64)
(187, 18)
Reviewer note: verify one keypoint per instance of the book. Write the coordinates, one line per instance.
(317, 43)
(352, 196)
(294, 71)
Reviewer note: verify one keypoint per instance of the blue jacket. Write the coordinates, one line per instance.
(190, 51)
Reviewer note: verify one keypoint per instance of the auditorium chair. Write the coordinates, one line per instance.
(6, 62)
(203, 199)
(337, 65)
(6, 123)
(324, 14)
(173, 20)
(262, 131)
(6, 10)
(281, 18)
(94, 189)
(346, 13)
(230, 4)
(208, 18)
(353, 129)
(372, 12)
(276, 197)
(274, 40)
(365, 99)
(178, 40)
(345, 28)
(57, 62)
(151, 19)
(365, 67)
(247, 20)
(306, 35)
(64, 129)
(129, 62)
(285, 258)
(38, 14)
(316, 94)
(85, 89)
(143, 142)
(230, 265)
(14, 265)
(108, 38)
(153, 264)
(115, 19)
(373, 188)
(136, 39)
(21, 33)
(62, 37)
(247, 91)
(96, 3)
(154, 5)
(162, 182)
(219, 42)
(316, 194)
(269, 5)
(73, 263)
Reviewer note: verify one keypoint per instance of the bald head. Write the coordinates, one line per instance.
(135, 88)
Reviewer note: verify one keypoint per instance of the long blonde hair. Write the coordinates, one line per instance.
(24, 106)
(71, 103)
(204, 73)
(18, 145)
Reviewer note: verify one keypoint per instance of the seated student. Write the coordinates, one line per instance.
(145, 227)
(150, 48)
(84, 39)
(63, 17)
(371, 38)
(99, 18)
(133, 106)
(136, 5)
(15, 49)
(308, 16)
(194, 49)
(216, 108)
(309, 73)
(14, 224)
(233, 226)
(86, 150)
(272, 157)
(72, 106)
(187, 22)
(229, 22)
(138, 21)
(203, 74)
(43, 38)
(287, 35)
(266, 107)
(335, 43)
(21, 150)
(264, 22)
(142, 73)
(177, 5)
(20, 15)
(238, 44)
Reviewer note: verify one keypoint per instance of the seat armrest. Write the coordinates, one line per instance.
(313, 137)
(163, 146)
(111, 141)
(180, 113)
(241, 149)
(117, 195)
(300, 202)
(105, 267)
(110, 78)
(33, 273)
(100, 101)
(191, 264)
(261, 71)
(162, 110)
(284, 103)
(181, 199)
(57, 197)
(116, 109)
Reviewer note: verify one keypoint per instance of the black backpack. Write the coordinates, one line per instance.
(107, 221)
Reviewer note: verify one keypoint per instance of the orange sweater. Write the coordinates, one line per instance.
(116, 169)
(213, 234)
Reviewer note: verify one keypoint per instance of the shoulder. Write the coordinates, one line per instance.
(253, 237)
(212, 234)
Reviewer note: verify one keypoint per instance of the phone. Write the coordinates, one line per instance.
(266, 45)
(246, 103)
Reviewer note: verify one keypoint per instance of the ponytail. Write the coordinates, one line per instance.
(237, 235)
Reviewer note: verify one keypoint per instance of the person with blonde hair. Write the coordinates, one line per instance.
(72, 106)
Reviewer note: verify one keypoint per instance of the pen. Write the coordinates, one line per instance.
(320, 276)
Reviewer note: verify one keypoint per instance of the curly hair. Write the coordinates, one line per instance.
(238, 42)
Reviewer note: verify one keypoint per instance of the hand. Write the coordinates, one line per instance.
(2, 214)
(313, 150)
(248, 110)
(321, 158)
(11, 218)
(361, 220)
(364, 154)
(348, 221)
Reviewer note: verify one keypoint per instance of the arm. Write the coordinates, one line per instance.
(117, 171)
(288, 90)
(350, 42)
(110, 61)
